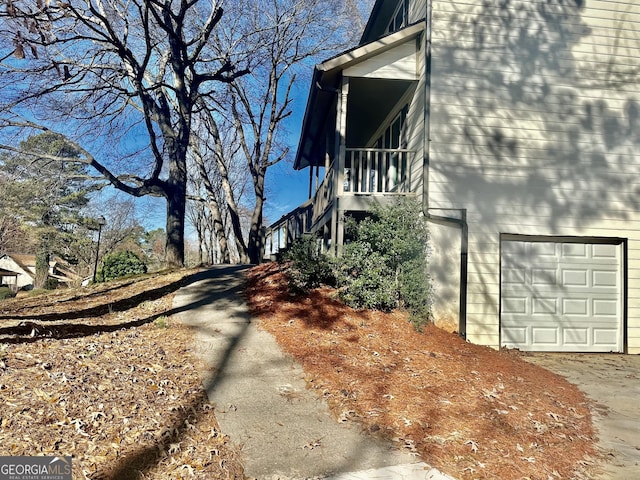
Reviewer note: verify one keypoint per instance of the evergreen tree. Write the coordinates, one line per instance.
(46, 195)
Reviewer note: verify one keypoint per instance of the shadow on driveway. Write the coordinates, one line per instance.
(260, 394)
(613, 381)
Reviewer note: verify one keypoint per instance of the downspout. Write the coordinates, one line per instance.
(426, 146)
(464, 260)
(426, 137)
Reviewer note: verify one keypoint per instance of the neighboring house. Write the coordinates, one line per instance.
(8, 278)
(23, 269)
(517, 124)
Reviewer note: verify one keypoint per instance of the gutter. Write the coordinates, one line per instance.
(464, 260)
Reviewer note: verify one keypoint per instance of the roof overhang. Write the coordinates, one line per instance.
(325, 88)
(8, 273)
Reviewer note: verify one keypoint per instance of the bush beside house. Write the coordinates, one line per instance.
(382, 267)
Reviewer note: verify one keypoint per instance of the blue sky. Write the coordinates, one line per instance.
(286, 189)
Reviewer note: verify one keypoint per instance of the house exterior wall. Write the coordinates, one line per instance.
(535, 130)
(397, 63)
(23, 279)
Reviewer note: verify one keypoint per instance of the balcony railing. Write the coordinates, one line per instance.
(377, 170)
(369, 171)
(283, 232)
(325, 194)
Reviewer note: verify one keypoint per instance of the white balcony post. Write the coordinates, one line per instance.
(341, 133)
(337, 226)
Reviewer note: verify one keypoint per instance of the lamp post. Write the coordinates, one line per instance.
(101, 222)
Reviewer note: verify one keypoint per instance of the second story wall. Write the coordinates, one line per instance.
(535, 129)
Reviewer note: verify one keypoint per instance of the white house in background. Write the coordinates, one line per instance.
(23, 268)
(517, 124)
(8, 278)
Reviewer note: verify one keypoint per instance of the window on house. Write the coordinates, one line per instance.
(399, 17)
(391, 165)
(381, 168)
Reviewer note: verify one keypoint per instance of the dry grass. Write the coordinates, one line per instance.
(468, 410)
(107, 376)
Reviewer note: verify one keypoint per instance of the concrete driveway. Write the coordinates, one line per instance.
(613, 381)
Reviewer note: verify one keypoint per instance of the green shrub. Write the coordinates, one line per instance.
(6, 292)
(51, 284)
(307, 267)
(120, 264)
(385, 265)
(363, 275)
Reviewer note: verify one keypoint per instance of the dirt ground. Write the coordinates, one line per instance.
(468, 410)
(105, 375)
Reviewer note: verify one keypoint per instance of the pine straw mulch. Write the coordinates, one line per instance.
(105, 375)
(468, 410)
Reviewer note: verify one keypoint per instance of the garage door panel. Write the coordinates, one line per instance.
(604, 278)
(603, 336)
(516, 276)
(543, 250)
(573, 250)
(604, 251)
(576, 337)
(561, 296)
(544, 306)
(545, 335)
(515, 335)
(544, 276)
(574, 278)
(575, 306)
(515, 305)
(605, 308)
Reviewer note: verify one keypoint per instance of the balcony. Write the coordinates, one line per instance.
(376, 171)
(369, 173)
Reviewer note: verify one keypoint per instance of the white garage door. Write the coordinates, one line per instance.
(560, 296)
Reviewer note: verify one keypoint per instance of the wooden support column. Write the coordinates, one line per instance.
(337, 217)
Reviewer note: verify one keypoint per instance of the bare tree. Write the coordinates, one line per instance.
(209, 190)
(273, 38)
(122, 79)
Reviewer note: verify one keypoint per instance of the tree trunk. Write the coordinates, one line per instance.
(221, 236)
(214, 207)
(255, 246)
(176, 211)
(234, 213)
(199, 225)
(42, 266)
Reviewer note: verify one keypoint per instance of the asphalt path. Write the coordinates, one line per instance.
(284, 431)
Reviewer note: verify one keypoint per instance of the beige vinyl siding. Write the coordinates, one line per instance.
(398, 63)
(415, 135)
(535, 130)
